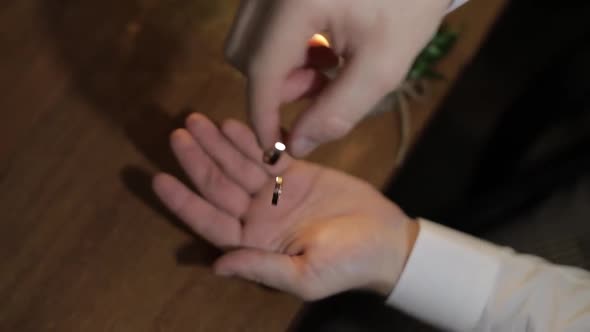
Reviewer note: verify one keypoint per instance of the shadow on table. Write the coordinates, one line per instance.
(120, 55)
(354, 312)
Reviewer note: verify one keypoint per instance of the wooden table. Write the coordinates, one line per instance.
(90, 91)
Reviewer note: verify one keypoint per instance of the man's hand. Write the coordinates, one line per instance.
(329, 233)
(378, 40)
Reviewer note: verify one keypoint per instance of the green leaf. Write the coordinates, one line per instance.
(444, 39)
(419, 69)
(431, 74)
(438, 48)
(433, 52)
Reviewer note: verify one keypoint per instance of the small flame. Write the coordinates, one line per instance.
(319, 40)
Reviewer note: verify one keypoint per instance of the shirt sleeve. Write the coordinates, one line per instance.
(460, 283)
(456, 4)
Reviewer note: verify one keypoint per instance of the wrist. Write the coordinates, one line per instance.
(411, 235)
(396, 259)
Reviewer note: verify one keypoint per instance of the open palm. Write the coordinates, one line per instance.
(330, 232)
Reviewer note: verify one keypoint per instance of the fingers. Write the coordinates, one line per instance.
(244, 140)
(213, 225)
(304, 82)
(282, 48)
(235, 165)
(363, 83)
(270, 269)
(308, 81)
(213, 184)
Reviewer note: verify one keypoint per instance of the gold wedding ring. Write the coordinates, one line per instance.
(273, 155)
(278, 190)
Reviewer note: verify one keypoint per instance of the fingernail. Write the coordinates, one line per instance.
(192, 118)
(303, 146)
(196, 121)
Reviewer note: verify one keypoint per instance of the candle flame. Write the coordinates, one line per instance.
(319, 40)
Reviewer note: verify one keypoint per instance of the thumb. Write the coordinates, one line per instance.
(364, 81)
(270, 269)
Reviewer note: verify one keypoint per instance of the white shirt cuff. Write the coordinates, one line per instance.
(448, 278)
(456, 4)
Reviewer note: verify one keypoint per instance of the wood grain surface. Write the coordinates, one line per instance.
(90, 91)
